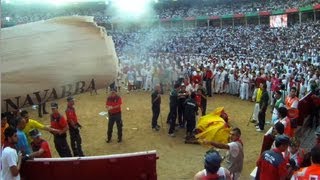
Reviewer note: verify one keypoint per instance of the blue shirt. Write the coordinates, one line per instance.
(22, 144)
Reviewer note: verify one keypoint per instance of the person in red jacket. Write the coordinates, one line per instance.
(113, 106)
(271, 164)
(74, 126)
(60, 137)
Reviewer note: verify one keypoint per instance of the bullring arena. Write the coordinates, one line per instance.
(73, 49)
(177, 160)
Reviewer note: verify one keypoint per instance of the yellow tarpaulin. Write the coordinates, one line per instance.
(213, 128)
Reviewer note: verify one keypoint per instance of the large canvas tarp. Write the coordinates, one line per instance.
(51, 59)
(212, 127)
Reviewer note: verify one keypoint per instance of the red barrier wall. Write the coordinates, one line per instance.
(131, 166)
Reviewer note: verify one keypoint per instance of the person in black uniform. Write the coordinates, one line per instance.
(203, 93)
(190, 111)
(172, 116)
(155, 101)
(182, 96)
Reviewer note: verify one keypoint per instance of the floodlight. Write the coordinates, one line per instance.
(131, 7)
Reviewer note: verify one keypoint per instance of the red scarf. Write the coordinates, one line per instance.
(8, 144)
(239, 140)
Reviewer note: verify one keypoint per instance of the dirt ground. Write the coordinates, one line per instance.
(177, 160)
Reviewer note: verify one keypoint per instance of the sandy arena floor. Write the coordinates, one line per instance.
(177, 160)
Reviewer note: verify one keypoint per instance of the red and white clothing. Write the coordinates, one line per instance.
(222, 173)
(292, 102)
(297, 157)
(287, 127)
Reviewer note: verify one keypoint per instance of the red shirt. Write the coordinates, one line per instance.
(260, 80)
(58, 121)
(272, 165)
(209, 74)
(71, 115)
(114, 101)
(198, 100)
(42, 145)
(275, 84)
(196, 79)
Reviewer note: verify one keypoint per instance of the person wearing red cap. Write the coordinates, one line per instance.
(60, 137)
(74, 126)
(113, 106)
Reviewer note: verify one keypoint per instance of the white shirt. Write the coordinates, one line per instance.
(9, 158)
(233, 149)
(222, 172)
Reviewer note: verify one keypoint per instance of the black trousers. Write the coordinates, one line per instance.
(172, 117)
(155, 116)
(42, 109)
(181, 118)
(61, 145)
(115, 118)
(209, 87)
(262, 119)
(191, 123)
(75, 140)
(203, 109)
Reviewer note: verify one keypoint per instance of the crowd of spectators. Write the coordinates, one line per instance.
(205, 9)
(21, 14)
(166, 55)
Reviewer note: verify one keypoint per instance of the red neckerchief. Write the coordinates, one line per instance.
(277, 150)
(7, 144)
(239, 140)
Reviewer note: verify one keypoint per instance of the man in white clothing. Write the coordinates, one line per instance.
(10, 161)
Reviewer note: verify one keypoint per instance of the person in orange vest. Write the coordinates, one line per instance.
(312, 171)
(284, 119)
(292, 101)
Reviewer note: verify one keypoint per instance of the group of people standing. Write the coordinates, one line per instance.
(21, 138)
(183, 106)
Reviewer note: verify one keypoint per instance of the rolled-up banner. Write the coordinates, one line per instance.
(52, 59)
